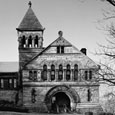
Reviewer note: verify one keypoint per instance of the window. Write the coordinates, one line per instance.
(33, 95)
(68, 72)
(10, 84)
(60, 72)
(36, 42)
(23, 42)
(15, 83)
(88, 95)
(75, 72)
(6, 83)
(35, 76)
(90, 75)
(0, 83)
(60, 49)
(52, 72)
(30, 41)
(86, 75)
(30, 75)
(44, 73)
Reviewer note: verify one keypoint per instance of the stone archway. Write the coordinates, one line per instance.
(67, 102)
(61, 103)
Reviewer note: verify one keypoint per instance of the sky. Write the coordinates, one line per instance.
(76, 18)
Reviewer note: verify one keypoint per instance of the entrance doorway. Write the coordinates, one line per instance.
(60, 103)
(61, 99)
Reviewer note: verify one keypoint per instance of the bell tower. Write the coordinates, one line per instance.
(30, 37)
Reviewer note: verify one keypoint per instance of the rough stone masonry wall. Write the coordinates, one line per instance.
(82, 92)
(42, 91)
(8, 95)
(40, 97)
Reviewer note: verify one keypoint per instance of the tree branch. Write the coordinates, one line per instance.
(112, 2)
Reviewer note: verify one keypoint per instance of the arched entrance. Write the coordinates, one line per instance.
(61, 99)
(60, 103)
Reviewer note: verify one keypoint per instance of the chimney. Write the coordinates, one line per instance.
(84, 51)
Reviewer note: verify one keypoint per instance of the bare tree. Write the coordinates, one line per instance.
(112, 2)
(109, 104)
(107, 52)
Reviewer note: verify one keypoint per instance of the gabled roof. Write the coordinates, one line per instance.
(59, 41)
(9, 66)
(30, 22)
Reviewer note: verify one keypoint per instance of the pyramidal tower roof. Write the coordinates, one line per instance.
(30, 21)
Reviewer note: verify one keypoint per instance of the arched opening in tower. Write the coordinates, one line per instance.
(36, 42)
(60, 103)
(30, 42)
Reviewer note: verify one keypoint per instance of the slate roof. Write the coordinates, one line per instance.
(9, 66)
(30, 22)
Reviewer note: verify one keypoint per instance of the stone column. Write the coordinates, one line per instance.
(71, 75)
(56, 75)
(33, 43)
(38, 42)
(64, 74)
(39, 75)
(48, 75)
(26, 42)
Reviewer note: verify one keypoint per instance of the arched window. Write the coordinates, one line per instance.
(75, 72)
(44, 73)
(30, 41)
(36, 42)
(90, 75)
(86, 75)
(68, 72)
(23, 41)
(88, 95)
(52, 72)
(60, 72)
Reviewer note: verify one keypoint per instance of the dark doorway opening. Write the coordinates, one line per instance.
(60, 103)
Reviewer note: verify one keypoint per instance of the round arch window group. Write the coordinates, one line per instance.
(60, 74)
(31, 42)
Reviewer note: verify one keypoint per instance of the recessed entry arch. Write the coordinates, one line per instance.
(61, 98)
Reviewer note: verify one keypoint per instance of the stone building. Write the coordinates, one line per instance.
(56, 78)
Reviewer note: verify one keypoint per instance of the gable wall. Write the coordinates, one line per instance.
(83, 61)
(66, 50)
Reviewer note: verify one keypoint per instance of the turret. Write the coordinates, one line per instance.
(30, 36)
